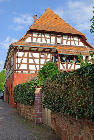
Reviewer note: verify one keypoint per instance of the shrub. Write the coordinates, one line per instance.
(71, 93)
(25, 93)
(48, 70)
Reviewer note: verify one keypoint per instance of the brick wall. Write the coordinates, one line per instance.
(12, 80)
(33, 113)
(71, 129)
(26, 111)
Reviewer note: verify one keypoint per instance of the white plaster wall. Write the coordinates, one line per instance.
(24, 60)
(72, 67)
(39, 40)
(61, 67)
(75, 38)
(69, 66)
(36, 61)
(81, 44)
(35, 34)
(28, 39)
(42, 35)
(72, 43)
(49, 55)
(36, 55)
(48, 40)
(77, 66)
(65, 37)
(19, 60)
(42, 61)
(30, 54)
(58, 40)
(43, 40)
(16, 66)
(37, 67)
(31, 61)
(23, 66)
(32, 67)
(20, 54)
(76, 43)
(25, 54)
(34, 40)
(64, 42)
(68, 42)
(90, 57)
(47, 60)
(84, 57)
(52, 40)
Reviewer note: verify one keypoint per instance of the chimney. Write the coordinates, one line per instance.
(35, 18)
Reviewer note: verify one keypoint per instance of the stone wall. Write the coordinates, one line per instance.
(26, 111)
(33, 113)
(70, 129)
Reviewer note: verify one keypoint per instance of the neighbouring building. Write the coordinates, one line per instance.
(49, 38)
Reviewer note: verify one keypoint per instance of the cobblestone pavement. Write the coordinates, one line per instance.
(14, 127)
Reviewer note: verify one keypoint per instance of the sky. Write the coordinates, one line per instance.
(16, 16)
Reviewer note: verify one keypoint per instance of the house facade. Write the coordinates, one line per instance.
(50, 38)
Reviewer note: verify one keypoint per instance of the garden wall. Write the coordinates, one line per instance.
(33, 113)
(70, 129)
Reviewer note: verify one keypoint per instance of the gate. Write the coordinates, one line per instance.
(46, 115)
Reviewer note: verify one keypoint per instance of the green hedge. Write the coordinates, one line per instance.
(71, 93)
(25, 93)
(47, 71)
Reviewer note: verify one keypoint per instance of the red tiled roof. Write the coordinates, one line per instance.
(50, 21)
(61, 49)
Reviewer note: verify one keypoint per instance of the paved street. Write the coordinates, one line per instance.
(13, 127)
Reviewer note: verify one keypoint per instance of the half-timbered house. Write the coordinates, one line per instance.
(49, 38)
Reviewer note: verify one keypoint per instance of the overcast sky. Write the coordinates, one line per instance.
(16, 16)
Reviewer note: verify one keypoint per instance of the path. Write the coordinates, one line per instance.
(13, 127)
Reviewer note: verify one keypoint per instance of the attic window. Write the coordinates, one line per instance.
(58, 40)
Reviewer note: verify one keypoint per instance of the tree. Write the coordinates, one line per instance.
(92, 25)
(83, 62)
(2, 79)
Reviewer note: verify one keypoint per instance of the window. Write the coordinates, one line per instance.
(58, 40)
(62, 58)
(54, 58)
(67, 58)
(77, 59)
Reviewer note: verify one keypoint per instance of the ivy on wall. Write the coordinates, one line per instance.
(71, 93)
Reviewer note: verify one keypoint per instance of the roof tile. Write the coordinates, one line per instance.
(50, 21)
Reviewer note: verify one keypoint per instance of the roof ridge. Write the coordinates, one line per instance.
(49, 20)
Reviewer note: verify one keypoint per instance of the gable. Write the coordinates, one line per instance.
(50, 21)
